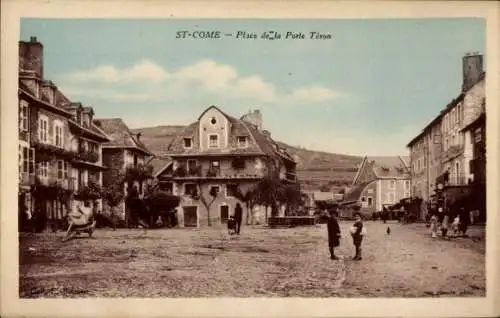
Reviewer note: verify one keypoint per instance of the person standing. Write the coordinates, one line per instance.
(464, 221)
(357, 232)
(333, 233)
(238, 216)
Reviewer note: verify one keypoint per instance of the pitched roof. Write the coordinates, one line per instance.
(353, 194)
(159, 164)
(263, 144)
(389, 167)
(119, 134)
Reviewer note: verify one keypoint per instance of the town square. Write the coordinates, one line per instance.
(311, 165)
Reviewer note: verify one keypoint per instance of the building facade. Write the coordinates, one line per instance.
(60, 159)
(218, 158)
(442, 152)
(124, 155)
(380, 182)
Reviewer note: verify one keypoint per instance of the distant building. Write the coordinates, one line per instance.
(442, 152)
(380, 182)
(123, 152)
(60, 157)
(217, 157)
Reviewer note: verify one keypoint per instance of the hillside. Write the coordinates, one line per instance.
(314, 168)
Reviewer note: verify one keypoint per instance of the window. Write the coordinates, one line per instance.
(213, 141)
(214, 190)
(187, 143)
(62, 169)
(23, 115)
(231, 190)
(370, 201)
(242, 141)
(390, 197)
(363, 199)
(478, 135)
(135, 160)
(43, 170)
(407, 185)
(392, 184)
(190, 189)
(43, 129)
(370, 191)
(58, 129)
(213, 121)
(191, 165)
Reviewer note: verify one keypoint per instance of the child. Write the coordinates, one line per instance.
(333, 233)
(231, 225)
(357, 233)
(434, 225)
(455, 226)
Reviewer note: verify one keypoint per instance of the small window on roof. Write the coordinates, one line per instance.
(242, 141)
(188, 143)
(213, 121)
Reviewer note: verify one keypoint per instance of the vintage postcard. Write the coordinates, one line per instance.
(249, 161)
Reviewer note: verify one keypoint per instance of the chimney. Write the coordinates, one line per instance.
(254, 117)
(472, 64)
(267, 133)
(31, 56)
(139, 134)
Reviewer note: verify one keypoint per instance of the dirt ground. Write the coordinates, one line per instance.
(261, 262)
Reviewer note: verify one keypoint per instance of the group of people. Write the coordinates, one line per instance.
(449, 223)
(357, 230)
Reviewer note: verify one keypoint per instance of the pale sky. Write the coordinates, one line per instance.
(367, 91)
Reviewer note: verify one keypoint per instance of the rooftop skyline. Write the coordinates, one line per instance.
(368, 90)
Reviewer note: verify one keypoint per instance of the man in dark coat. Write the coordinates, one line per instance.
(333, 233)
(238, 216)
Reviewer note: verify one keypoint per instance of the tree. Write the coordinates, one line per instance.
(113, 196)
(293, 197)
(247, 198)
(160, 203)
(208, 201)
(268, 192)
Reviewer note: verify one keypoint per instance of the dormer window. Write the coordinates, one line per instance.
(188, 143)
(242, 141)
(213, 141)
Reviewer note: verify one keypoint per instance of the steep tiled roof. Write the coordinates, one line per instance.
(119, 134)
(262, 144)
(159, 163)
(389, 167)
(353, 194)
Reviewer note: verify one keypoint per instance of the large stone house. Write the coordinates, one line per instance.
(442, 152)
(379, 182)
(123, 152)
(59, 148)
(217, 157)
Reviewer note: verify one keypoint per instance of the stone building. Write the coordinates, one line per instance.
(217, 157)
(380, 182)
(122, 154)
(60, 157)
(442, 152)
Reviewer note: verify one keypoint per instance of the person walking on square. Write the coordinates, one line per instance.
(333, 233)
(238, 216)
(464, 221)
(434, 225)
(357, 232)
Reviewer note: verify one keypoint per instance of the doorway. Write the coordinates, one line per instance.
(224, 213)
(190, 216)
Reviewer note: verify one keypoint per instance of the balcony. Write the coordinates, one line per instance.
(26, 179)
(453, 152)
(66, 183)
(87, 156)
(454, 179)
(182, 172)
